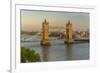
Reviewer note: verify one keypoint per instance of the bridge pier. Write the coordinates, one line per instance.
(45, 33)
(69, 33)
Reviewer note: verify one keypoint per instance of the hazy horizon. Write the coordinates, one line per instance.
(32, 20)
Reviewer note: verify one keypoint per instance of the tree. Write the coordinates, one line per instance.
(28, 55)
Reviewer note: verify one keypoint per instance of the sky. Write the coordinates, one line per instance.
(31, 20)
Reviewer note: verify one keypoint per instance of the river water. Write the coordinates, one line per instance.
(58, 51)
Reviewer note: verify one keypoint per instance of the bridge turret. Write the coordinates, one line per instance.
(45, 31)
(69, 33)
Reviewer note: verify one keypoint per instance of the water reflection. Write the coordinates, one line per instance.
(68, 48)
(45, 52)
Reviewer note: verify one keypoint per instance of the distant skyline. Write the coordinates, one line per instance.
(31, 20)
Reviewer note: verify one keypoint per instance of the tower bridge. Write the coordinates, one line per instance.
(45, 31)
(69, 33)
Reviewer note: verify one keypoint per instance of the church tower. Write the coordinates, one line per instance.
(45, 33)
(69, 33)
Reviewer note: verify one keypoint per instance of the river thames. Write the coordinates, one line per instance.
(58, 51)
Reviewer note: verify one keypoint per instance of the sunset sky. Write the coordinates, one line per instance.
(32, 20)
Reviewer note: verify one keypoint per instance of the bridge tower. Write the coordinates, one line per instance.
(69, 33)
(45, 33)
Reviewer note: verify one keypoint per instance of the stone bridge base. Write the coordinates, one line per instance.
(45, 42)
(69, 42)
